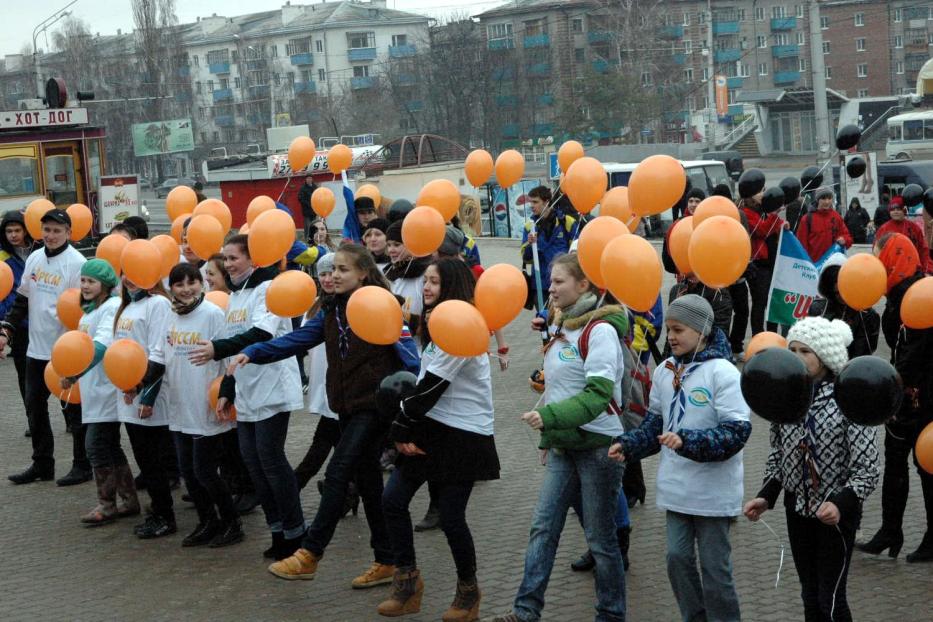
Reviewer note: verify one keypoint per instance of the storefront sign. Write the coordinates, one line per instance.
(26, 119)
(119, 199)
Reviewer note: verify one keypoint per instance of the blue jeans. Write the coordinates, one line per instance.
(262, 444)
(714, 599)
(355, 458)
(621, 517)
(589, 475)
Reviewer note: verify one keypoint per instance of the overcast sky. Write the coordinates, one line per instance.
(106, 16)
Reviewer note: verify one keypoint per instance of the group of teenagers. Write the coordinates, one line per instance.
(695, 416)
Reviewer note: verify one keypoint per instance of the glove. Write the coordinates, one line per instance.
(536, 381)
(402, 429)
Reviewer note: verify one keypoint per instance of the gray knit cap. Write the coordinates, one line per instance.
(453, 240)
(325, 263)
(693, 311)
(823, 191)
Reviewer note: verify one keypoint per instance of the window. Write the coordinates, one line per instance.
(829, 73)
(224, 83)
(898, 15)
(759, 14)
(930, 39)
(762, 69)
(501, 34)
(203, 137)
(913, 130)
(777, 12)
(298, 46)
(197, 87)
(216, 136)
(210, 86)
(824, 22)
(361, 40)
(579, 55)
(801, 64)
(319, 46)
(399, 40)
(798, 11)
(688, 74)
(860, 45)
(762, 41)
(195, 59)
(898, 41)
(646, 79)
(705, 75)
(274, 51)
(743, 70)
(862, 70)
(277, 79)
(781, 39)
(19, 171)
(535, 27)
(235, 56)
(218, 56)
(688, 46)
(859, 19)
(201, 113)
(361, 71)
(686, 19)
(864, 93)
(899, 67)
(801, 38)
(740, 15)
(321, 75)
(826, 47)
(576, 25)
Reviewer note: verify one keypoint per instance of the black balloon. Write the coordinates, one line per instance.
(751, 183)
(912, 195)
(811, 178)
(776, 386)
(928, 201)
(791, 188)
(772, 200)
(393, 389)
(868, 390)
(847, 137)
(400, 209)
(855, 167)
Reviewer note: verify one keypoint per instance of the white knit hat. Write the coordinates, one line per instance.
(828, 340)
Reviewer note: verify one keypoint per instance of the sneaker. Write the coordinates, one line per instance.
(76, 475)
(377, 574)
(143, 525)
(507, 617)
(203, 534)
(301, 565)
(230, 533)
(304, 386)
(157, 527)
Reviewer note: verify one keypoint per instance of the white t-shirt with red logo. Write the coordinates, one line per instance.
(98, 395)
(44, 280)
(144, 321)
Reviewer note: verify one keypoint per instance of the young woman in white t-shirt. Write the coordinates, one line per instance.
(445, 435)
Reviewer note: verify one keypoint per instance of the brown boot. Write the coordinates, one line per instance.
(465, 607)
(106, 510)
(126, 489)
(407, 590)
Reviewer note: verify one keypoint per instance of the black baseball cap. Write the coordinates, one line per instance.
(57, 215)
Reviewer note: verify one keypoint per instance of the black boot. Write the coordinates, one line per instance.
(204, 533)
(33, 474)
(77, 475)
(924, 552)
(230, 532)
(277, 538)
(431, 520)
(894, 491)
(622, 533)
(633, 483)
(584, 562)
(288, 547)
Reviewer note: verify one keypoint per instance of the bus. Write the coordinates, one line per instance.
(910, 136)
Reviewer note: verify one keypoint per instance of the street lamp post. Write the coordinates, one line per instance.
(42, 27)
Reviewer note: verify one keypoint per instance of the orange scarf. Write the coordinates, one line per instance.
(900, 259)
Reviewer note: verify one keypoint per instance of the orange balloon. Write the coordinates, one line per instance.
(917, 304)
(141, 261)
(110, 249)
(33, 216)
(423, 231)
(125, 363)
(69, 309)
(218, 209)
(291, 293)
(633, 271)
(300, 153)
(339, 158)
(53, 381)
(81, 221)
(679, 242)
(244, 229)
(478, 167)
(6, 279)
(862, 282)
(586, 184)
(615, 203)
(442, 195)
(72, 353)
(270, 237)
(323, 201)
(257, 206)
(169, 250)
(221, 299)
(656, 184)
(213, 396)
(510, 166)
(593, 240)
(500, 294)
(719, 251)
(371, 191)
(180, 200)
(178, 227)
(923, 450)
(763, 340)
(569, 152)
(375, 315)
(458, 328)
(205, 236)
(715, 206)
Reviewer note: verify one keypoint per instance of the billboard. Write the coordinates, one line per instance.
(864, 188)
(160, 137)
(722, 95)
(119, 198)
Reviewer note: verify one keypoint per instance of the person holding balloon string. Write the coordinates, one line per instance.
(48, 272)
(15, 246)
(699, 421)
(764, 230)
(551, 232)
(827, 466)
(912, 357)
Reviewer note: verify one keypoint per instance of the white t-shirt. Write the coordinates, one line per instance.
(189, 407)
(317, 377)
(98, 395)
(262, 391)
(566, 372)
(467, 402)
(713, 395)
(144, 321)
(412, 290)
(44, 280)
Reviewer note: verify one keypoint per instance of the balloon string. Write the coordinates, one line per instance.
(284, 188)
(780, 542)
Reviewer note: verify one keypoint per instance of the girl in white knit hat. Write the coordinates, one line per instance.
(826, 466)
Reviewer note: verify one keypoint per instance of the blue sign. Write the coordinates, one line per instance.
(553, 167)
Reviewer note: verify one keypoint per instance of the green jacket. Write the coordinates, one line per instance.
(562, 420)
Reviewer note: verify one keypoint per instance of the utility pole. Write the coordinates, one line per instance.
(818, 70)
(711, 79)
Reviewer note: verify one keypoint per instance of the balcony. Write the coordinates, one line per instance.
(222, 95)
(727, 55)
(546, 99)
(183, 72)
(303, 59)
(601, 65)
(219, 68)
(502, 73)
(598, 36)
(734, 83)
(785, 51)
(736, 110)
(183, 97)
(537, 41)
(253, 64)
(780, 24)
(357, 55)
(402, 51)
(258, 90)
(679, 59)
(415, 105)
(501, 44)
(510, 130)
(786, 77)
(725, 28)
(406, 79)
(539, 69)
(671, 32)
(362, 82)
(224, 120)
(304, 88)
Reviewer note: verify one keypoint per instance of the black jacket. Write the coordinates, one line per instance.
(911, 349)
(304, 199)
(865, 325)
(857, 220)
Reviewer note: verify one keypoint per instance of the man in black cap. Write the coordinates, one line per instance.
(49, 271)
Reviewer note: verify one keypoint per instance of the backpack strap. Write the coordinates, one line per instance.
(583, 345)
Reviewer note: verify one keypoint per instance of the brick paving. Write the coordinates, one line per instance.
(54, 569)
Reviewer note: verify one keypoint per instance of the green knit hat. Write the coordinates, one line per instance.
(100, 270)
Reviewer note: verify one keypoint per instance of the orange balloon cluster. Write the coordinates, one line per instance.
(458, 328)
(141, 261)
(81, 221)
(300, 152)
(53, 381)
(615, 203)
(656, 184)
(291, 293)
(442, 195)
(69, 309)
(168, 248)
(678, 243)
(423, 231)
(180, 200)
(478, 167)
(221, 299)
(585, 184)
(375, 315)
(510, 166)
(72, 353)
(218, 209)
(594, 238)
(500, 294)
(110, 249)
(33, 216)
(339, 158)
(632, 271)
(125, 364)
(719, 251)
(371, 191)
(762, 340)
(323, 202)
(6, 279)
(270, 237)
(862, 281)
(257, 206)
(917, 305)
(715, 206)
(569, 152)
(205, 236)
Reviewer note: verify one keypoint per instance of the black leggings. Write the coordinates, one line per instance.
(821, 556)
(149, 444)
(199, 458)
(326, 437)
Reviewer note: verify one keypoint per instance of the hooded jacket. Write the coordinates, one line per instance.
(14, 259)
(819, 229)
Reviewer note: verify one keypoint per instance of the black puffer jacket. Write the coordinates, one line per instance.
(911, 350)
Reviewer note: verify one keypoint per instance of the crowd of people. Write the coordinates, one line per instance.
(601, 411)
